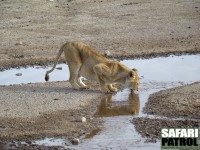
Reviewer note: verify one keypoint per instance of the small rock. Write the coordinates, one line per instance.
(75, 141)
(83, 119)
(150, 140)
(19, 43)
(107, 53)
(59, 68)
(79, 119)
(18, 74)
(29, 142)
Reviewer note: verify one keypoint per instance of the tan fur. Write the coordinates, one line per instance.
(86, 62)
(108, 107)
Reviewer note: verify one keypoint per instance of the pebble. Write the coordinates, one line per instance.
(83, 119)
(18, 74)
(75, 141)
(59, 68)
(79, 119)
(19, 43)
(107, 53)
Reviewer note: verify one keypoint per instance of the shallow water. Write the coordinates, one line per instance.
(33, 75)
(119, 109)
(118, 132)
(169, 69)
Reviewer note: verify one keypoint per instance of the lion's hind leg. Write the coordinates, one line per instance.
(73, 82)
(74, 68)
(74, 62)
(81, 83)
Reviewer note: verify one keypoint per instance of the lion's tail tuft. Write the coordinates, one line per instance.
(47, 77)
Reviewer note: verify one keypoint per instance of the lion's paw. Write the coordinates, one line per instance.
(114, 89)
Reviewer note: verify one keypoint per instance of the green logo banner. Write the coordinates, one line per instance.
(180, 139)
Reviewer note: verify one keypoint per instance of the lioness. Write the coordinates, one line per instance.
(86, 62)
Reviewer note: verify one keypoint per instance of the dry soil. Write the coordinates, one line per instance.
(33, 31)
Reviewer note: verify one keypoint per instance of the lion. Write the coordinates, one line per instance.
(84, 61)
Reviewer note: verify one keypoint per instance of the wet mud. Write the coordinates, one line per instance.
(176, 102)
(151, 128)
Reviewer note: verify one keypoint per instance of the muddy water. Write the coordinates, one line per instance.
(117, 110)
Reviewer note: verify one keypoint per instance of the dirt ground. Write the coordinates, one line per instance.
(31, 32)
(151, 128)
(183, 101)
(181, 105)
(32, 111)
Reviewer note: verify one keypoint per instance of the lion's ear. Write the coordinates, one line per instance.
(134, 69)
(131, 74)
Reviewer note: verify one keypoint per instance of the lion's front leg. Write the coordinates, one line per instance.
(106, 88)
(98, 72)
(102, 72)
(103, 87)
(111, 88)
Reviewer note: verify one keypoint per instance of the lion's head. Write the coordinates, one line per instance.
(133, 80)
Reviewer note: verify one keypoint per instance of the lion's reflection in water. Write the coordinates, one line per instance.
(108, 108)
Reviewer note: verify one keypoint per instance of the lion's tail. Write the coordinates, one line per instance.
(56, 61)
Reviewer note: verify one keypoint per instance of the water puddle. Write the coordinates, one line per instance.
(169, 69)
(51, 142)
(92, 133)
(33, 75)
(109, 107)
(119, 109)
